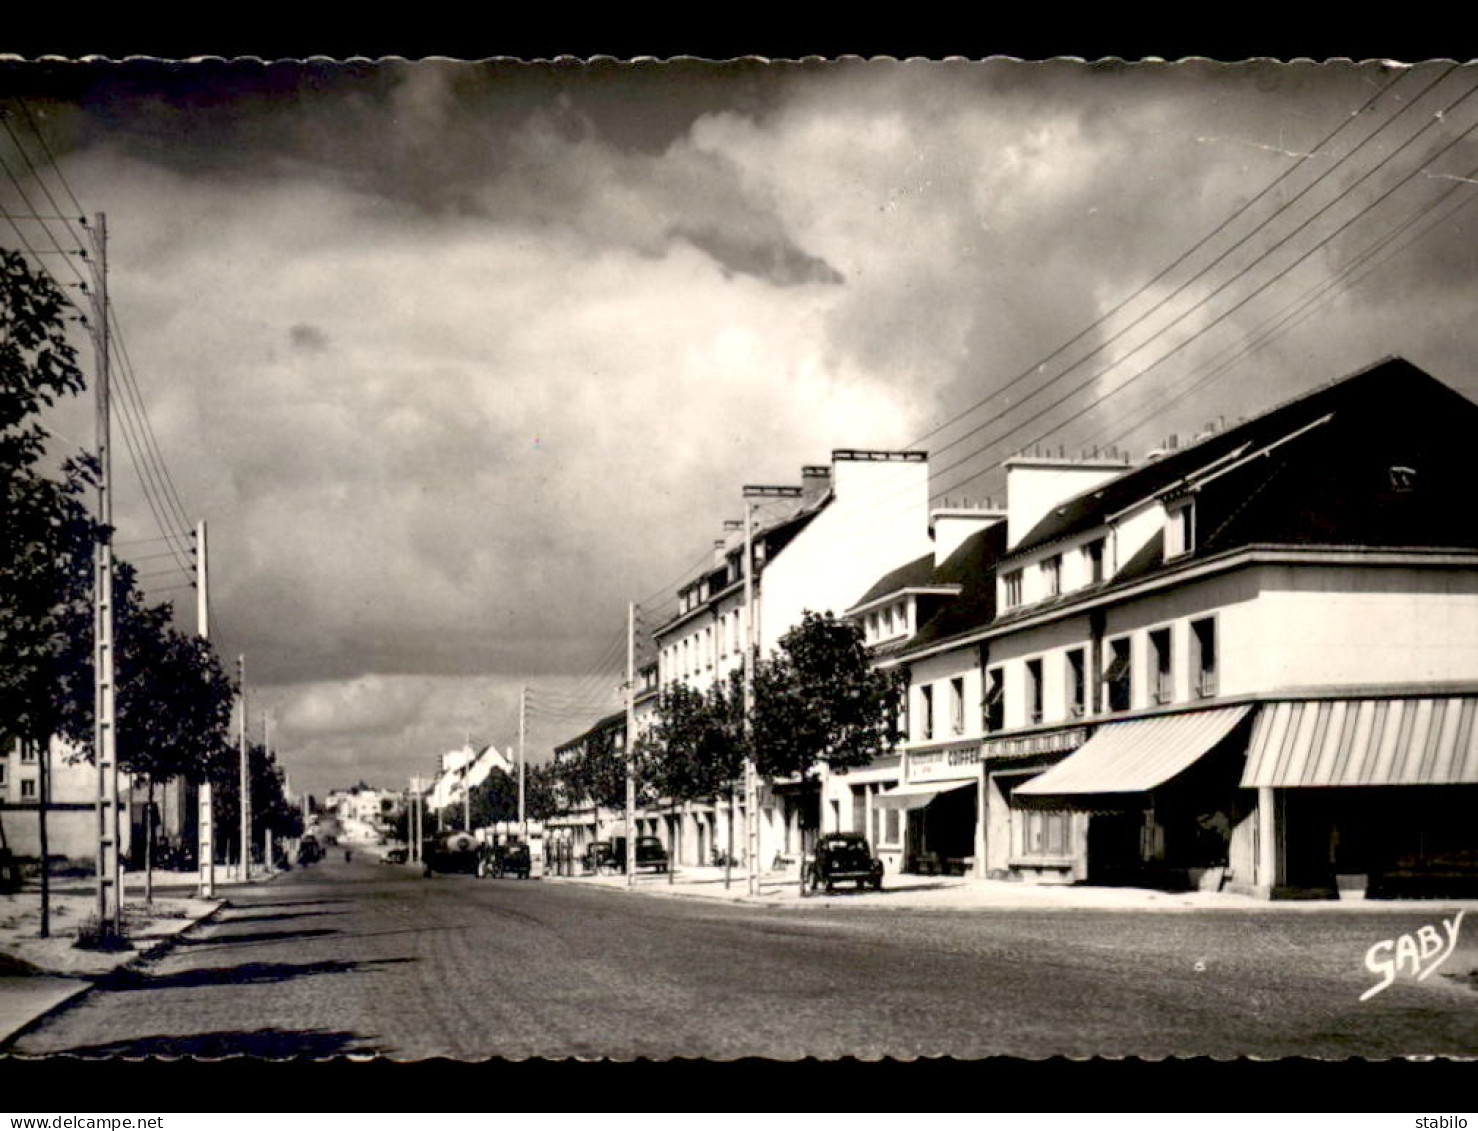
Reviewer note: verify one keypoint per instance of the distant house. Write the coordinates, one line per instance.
(1252, 660)
(72, 811)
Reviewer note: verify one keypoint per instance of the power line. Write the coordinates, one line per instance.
(1186, 255)
(1241, 273)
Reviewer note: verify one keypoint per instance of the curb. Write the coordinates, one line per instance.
(88, 984)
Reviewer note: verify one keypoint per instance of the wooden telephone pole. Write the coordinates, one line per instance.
(205, 816)
(105, 718)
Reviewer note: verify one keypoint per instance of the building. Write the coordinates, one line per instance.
(816, 548)
(72, 811)
(1251, 661)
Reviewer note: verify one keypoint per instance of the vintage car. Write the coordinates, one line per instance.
(450, 852)
(842, 858)
(395, 856)
(601, 856)
(499, 860)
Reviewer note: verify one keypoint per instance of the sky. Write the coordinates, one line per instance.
(458, 359)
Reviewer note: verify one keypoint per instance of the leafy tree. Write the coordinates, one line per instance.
(38, 516)
(494, 799)
(818, 701)
(599, 774)
(544, 791)
(694, 750)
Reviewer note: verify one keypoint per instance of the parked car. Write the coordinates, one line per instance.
(396, 856)
(650, 853)
(450, 852)
(600, 855)
(843, 858)
(505, 860)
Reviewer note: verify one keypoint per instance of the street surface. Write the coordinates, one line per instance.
(371, 958)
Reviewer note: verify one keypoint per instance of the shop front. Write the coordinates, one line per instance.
(935, 811)
(1370, 796)
(1154, 802)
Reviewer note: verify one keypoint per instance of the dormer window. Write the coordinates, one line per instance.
(1180, 529)
(1093, 557)
(1011, 585)
(1052, 576)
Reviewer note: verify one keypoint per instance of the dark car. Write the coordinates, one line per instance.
(309, 851)
(395, 856)
(650, 853)
(450, 852)
(600, 855)
(843, 858)
(505, 860)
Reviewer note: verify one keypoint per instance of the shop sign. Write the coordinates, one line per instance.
(942, 762)
(1051, 742)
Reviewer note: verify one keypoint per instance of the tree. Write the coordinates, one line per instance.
(819, 701)
(598, 775)
(694, 750)
(38, 517)
(494, 799)
(544, 792)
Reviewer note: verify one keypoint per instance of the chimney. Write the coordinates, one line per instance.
(815, 482)
(949, 526)
(1035, 485)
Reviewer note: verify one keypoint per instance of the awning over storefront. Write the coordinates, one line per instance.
(1136, 756)
(1365, 742)
(918, 794)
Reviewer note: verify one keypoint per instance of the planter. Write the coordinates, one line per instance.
(1352, 885)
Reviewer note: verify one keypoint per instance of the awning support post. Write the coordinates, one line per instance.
(1267, 846)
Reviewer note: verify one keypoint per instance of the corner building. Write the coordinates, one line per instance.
(1249, 664)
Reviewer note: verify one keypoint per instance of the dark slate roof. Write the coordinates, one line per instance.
(918, 572)
(972, 567)
(1329, 486)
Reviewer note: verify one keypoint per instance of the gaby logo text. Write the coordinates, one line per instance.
(1419, 954)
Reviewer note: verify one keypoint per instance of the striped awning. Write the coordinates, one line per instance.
(1365, 742)
(1136, 756)
(915, 795)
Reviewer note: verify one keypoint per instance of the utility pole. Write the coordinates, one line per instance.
(523, 704)
(631, 744)
(205, 813)
(267, 834)
(105, 718)
(751, 786)
(751, 646)
(245, 787)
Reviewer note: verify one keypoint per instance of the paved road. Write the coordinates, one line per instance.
(370, 958)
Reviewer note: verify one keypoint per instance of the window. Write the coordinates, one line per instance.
(957, 705)
(28, 787)
(1012, 583)
(4, 766)
(926, 711)
(708, 647)
(28, 752)
(1052, 576)
(995, 700)
(1046, 833)
(1117, 676)
(1163, 690)
(1093, 555)
(1034, 691)
(1203, 659)
(892, 827)
(1077, 683)
(1180, 529)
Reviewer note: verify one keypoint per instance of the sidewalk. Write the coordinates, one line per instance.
(782, 889)
(40, 975)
